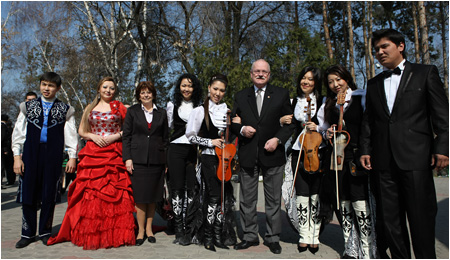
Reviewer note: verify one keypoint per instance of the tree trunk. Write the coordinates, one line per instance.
(416, 32)
(424, 33)
(444, 44)
(366, 44)
(296, 27)
(326, 30)
(345, 29)
(350, 40)
(372, 63)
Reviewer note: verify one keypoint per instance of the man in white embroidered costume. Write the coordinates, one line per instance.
(43, 127)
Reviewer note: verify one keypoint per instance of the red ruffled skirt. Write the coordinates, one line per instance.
(100, 201)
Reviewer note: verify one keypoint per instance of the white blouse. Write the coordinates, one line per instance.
(300, 114)
(217, 115)
(148, 114)
(323, 125)
(184, 111)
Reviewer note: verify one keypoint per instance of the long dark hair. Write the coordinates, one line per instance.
(216, 77)
(197, 94)
(344, 74)
(317, 76)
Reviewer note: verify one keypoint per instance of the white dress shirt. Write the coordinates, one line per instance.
(391, 85)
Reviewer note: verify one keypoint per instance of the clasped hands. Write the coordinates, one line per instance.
(249, 132)
(103, 141)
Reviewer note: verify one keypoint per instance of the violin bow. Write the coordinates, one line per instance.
(335, 167)
(298, 160)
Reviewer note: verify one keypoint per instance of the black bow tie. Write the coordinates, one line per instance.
(388, 73)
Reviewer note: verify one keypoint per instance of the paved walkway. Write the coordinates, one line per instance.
(331, 239)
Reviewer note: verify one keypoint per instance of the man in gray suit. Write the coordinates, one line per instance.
(261, 148)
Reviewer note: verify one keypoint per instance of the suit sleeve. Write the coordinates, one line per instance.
(165, 130)
(126, 135)
(438, 105)
(364, 138)
(236, 128)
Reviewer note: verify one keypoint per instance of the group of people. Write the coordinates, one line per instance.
(372, 155)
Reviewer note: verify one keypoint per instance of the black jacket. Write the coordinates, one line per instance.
(140, 144)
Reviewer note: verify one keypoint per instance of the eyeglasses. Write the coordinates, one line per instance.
(259, 72)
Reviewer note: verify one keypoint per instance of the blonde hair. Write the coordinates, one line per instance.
(85, 119)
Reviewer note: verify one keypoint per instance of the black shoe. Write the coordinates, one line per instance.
(313, 250)
(245, 244)
(185, 240)
(220, 245)
(345, 256)
(139, 241)
(152, 239)
(274, 247)
(45, 240)
(24, 242)
(301, 249)
(210, 247)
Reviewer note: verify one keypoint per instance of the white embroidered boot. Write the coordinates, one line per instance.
(314, 223)
(363, 218)
(303, 222)
(347, 218)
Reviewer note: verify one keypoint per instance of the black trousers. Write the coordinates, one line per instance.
(46, 193)
(8, 167)
(181, 161)
(405, 194)
(305, 184)
(209, 174)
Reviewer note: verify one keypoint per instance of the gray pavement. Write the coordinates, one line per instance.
(331, 239)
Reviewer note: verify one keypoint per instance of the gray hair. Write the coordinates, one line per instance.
(253, 64)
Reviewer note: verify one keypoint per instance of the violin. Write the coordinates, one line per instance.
(342, 137)
(311, 141)
(225, 155)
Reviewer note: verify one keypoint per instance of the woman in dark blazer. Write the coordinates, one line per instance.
(145, 139)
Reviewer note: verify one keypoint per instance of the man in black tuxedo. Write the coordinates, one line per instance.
(404, 134)
(261, 148)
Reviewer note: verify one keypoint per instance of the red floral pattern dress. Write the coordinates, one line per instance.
(100, 202)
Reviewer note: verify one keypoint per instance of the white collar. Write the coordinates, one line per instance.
(145, 110)
(256, 88)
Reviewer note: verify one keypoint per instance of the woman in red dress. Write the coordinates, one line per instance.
(100, 202)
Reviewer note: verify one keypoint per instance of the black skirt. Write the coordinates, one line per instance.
(147, 182)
